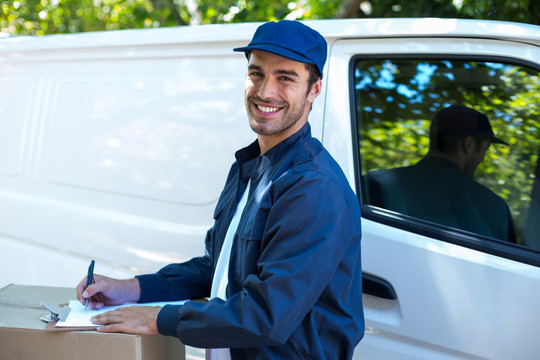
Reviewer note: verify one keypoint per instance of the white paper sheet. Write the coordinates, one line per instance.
(78, 317)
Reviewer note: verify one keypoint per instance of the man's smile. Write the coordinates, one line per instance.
(267, 109)
(264, 108)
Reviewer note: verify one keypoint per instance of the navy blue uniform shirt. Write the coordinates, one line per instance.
(295, 280)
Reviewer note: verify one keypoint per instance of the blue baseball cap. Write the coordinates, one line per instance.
(290, 39)
(460, 119)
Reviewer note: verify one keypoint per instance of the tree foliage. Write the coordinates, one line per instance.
(39, 17)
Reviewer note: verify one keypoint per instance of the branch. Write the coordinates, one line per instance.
(174, 12)
(348, 9)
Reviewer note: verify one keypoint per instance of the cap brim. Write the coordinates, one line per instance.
(496, 140)
(277, 50)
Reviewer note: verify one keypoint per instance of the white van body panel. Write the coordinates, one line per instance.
(115, 147)
(98, 141)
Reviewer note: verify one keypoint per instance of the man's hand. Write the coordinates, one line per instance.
(130, 320)
(107, 291)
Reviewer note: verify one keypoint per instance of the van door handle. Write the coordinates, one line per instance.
(373, 285)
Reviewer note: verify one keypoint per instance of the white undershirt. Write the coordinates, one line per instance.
(221, 275)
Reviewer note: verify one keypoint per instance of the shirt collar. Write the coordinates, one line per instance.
(250, 158)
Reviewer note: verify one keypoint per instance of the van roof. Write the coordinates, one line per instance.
(331, 29)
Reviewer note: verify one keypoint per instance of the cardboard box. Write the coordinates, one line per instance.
(23, 335)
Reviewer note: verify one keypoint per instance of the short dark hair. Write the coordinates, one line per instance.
(314, 75)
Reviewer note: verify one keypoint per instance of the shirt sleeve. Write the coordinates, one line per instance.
(309, 227)
(188, 280)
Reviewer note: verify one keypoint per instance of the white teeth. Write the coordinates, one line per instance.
(267, 109)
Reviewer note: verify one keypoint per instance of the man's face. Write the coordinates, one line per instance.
(481, 150)
(476, 156)
(277, 96)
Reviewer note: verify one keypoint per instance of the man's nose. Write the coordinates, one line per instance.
(267, 89)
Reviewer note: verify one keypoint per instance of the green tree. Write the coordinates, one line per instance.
(526, 11)
(39, 17)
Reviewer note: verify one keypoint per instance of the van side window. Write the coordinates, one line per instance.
(476, 174)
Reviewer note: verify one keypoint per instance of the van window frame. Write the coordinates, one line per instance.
(414, 225)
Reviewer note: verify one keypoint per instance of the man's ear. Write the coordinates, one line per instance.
(315, 90)
(468, 144)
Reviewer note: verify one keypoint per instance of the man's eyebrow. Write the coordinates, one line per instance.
(254, 67)
(286, 72)
(276, 72)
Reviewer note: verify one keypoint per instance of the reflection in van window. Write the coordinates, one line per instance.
(482, 177)
(440, 187)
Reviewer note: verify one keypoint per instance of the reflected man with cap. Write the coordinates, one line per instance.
(462, 135)
(440, 187)
(282, 263)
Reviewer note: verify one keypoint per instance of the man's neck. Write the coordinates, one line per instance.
(267, 142)
(456, 158)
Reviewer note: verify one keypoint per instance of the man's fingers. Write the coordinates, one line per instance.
(132, 320)
(92, 290)
(110, 329)
(111, 322)
(95, 304)
(94, 294)
(117, 316)
(80, 289)
(104, 319)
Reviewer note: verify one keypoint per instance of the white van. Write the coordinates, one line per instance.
(114, 146)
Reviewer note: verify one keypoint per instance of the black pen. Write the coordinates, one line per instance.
(90, 276)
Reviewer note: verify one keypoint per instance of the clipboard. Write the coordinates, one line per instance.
(60, 313)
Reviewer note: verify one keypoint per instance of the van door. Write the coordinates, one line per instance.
(434, 289)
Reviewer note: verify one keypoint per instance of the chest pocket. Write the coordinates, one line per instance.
(219, 208)
(248, 241)
(222, 216)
